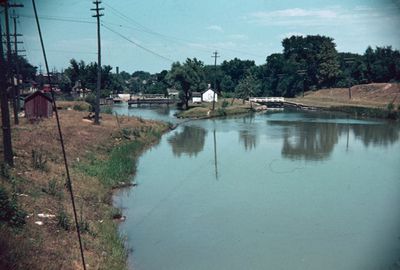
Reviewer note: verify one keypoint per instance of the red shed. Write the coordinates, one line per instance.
(38, 105)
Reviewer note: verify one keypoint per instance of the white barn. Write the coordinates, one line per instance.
(208, 96)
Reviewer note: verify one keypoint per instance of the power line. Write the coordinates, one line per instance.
(62, 19)
(138, 45)
(69, 182)
(150, 31)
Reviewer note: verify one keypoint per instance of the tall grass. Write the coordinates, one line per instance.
(120, 164)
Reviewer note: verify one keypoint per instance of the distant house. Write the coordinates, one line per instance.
(38, 105)
(173, 93)
(208, 96)
(196, 97)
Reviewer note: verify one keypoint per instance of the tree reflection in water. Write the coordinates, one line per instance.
(316, 140)
(248, 139)
(248, 134)
(189, 141)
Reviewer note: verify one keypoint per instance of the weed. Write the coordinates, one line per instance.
(80, 107)
(10, 213)
(224, 104)
(106, 109)
(39, 160)
(221, 112)
(63, 220)
(5, 170)
(390, 107)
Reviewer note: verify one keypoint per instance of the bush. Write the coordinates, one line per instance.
(10, 213)
(225, 104)
(390, 107)
(63, 220)
(39, 160)
(80, 107)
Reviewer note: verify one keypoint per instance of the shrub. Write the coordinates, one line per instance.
(390, 106)
(38, 160)
(10, 213)
(63, 220)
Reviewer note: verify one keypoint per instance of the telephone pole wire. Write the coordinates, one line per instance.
(215, 56)
(97, 16)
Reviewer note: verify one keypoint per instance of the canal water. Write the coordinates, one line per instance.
(288, 190)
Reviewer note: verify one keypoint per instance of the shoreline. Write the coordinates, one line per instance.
(102, 160)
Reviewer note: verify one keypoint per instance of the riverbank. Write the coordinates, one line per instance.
(379, 100)
(101, 158)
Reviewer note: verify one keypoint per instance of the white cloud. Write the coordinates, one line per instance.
(216, 28)
(295, 12)
(289, 34)
(238, 37)
(329, 16)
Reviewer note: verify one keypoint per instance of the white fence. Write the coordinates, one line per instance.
(267, 99)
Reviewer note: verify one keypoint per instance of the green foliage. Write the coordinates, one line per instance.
(120, 164)
(39, 160)
(80, 107)
(247, 87)
(5, 170)
(224, 104)
(188, 77)
(10, 213)
(390, 107)
(63, 220)
(106, 109)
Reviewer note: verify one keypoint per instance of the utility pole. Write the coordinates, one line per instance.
(215, 56)
(97, 105)
(349, 60)
(5, 114)
(302, 72)
(11, 68)
(16, 84)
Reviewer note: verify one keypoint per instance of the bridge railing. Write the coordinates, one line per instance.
(267, 99)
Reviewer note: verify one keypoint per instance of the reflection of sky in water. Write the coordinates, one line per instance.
(268, 192)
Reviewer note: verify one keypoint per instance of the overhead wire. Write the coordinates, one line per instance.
(138, 45)
(69, 182)
(171, 38)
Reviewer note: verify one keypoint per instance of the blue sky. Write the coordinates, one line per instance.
(177, 29)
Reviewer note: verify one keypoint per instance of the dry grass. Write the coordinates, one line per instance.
(376, 95)
(42, 189)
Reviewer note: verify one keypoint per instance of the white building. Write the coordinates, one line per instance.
(208, 96)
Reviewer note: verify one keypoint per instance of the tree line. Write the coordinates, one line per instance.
(305, 63)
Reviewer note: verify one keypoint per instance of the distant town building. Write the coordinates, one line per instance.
(38, 105)
(173, 93)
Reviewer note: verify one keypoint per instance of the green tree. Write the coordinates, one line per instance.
(247, 87)
(188, 77)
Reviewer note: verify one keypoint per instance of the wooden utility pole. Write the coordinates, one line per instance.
(5, 114)
(16, 66)
(97, 106)
(302, 72)
(11, 66)
(349, 60)
(215, 56)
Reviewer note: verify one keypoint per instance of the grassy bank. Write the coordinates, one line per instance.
(101, 158)
(379, 100)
